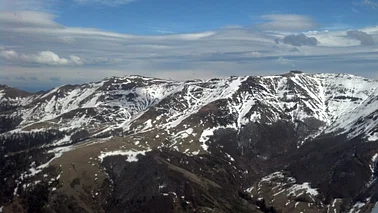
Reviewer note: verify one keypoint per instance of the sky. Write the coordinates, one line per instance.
(46, 43)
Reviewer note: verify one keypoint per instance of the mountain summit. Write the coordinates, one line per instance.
(294, 142)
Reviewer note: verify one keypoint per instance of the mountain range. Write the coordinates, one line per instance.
(294, 142)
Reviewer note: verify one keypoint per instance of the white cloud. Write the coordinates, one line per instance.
(75, 60)
(371, 30)
(335, 38)
(287, 22)
(9, 54)
(44, 57)
(105, 2)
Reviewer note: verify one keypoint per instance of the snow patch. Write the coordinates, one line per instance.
(297, 189)
(357, 207)
(373, 137)
(207, 133)
(147, 125)
(229, 156)
(374, 158)
(65, 140)
(184, 134)
(275, 175)
(131, 154)
(58, 153)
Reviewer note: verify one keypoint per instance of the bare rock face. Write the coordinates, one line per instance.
(294, 142)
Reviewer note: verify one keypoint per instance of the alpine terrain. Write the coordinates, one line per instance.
(294, 142)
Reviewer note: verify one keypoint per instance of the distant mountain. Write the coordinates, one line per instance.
(294, 142)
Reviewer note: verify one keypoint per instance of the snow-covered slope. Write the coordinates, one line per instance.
(108, 103)
(328, 103)
(337, 103)
(351, 104)
(11, 97)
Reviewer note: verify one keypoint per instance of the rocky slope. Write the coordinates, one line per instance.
(294, 142)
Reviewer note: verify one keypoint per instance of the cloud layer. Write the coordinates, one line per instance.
(34, 46)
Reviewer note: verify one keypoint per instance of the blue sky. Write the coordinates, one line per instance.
(178, 16)
(46, 43)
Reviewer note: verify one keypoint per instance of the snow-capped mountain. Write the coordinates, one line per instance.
(258, 126)
(342, 103)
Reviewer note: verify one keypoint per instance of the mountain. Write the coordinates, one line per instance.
(294, 142)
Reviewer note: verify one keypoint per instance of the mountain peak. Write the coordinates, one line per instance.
(11, 92)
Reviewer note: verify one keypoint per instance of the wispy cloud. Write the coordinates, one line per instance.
(287, 22)
(354, 10)
(369, 3)
(31, 5)
(111, 3)
(164, 31)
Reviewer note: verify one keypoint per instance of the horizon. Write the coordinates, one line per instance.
(47, 43)
(34, 90)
